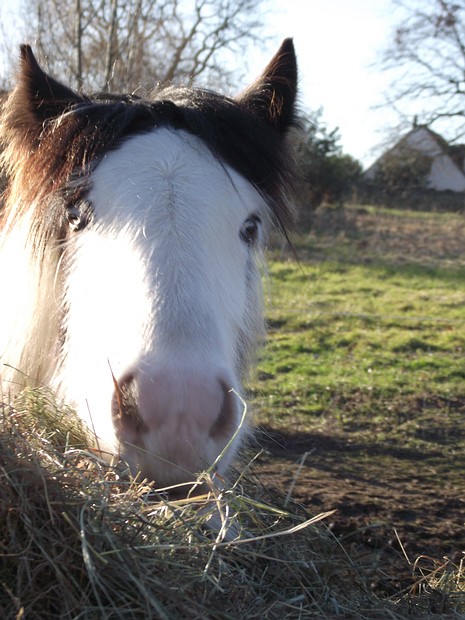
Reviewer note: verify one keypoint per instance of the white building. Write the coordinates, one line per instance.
(447, 163)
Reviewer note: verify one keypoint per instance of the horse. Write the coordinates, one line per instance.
(131, 247)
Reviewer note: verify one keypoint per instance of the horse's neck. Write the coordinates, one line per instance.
(30, 310)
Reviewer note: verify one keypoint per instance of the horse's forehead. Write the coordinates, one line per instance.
(168, 169)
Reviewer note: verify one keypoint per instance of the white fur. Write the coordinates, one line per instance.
(160, 285)
(30, 310)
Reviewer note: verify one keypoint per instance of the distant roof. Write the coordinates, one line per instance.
(448, 161)
(455, 151)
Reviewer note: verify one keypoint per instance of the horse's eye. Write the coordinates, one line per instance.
(79, 215)
(250, 229)
(74, 220)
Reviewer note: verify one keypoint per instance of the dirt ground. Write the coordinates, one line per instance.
(387, 509)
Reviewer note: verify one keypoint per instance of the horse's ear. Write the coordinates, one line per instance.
(43, 96)
(272, 96)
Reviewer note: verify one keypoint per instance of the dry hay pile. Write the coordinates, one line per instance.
(81, 539)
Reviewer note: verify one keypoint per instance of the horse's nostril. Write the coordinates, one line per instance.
(125, 409)
(225, 424)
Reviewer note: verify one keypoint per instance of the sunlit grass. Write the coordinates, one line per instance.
(362, 339)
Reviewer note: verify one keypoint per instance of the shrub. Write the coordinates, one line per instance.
(328, 174)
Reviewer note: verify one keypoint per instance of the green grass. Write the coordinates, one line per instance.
(359, 334)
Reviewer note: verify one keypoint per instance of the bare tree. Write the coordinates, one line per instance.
(121, 44)
(427, 59)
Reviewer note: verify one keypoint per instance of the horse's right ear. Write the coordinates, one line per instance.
(43, 97)
(272, 96)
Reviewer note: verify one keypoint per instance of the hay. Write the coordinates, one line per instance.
(82, 539)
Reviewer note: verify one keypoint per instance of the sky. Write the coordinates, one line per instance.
(337, 44)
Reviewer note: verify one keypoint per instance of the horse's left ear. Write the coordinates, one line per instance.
(44, 97)
(272, 96)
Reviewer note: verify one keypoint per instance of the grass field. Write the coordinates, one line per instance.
(366, 324)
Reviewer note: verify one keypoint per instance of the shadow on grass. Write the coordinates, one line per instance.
(293, 445)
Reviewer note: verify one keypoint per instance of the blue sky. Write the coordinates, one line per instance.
(337, 43)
